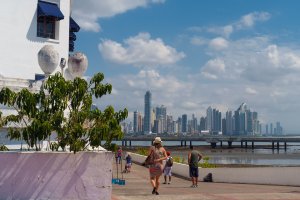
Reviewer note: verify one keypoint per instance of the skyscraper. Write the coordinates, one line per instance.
(209, 119)
(135, 121)
(147, 113)
(161, 113)
(184, 123)
(229, 123)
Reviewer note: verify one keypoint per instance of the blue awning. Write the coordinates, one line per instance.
(49, 10)
(71, 46)
(72, 36)
(74, 27)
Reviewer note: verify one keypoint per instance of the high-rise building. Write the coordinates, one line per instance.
(140, 123)
(147, 113)
(194, 124)
(202, 124)
(161, 113)
(209, 119)
(246, 122)
(135, 121)
(213, 120)
(229, 123)
(271, 128)
(179, 124)
(184, 127)
(170, 126)
(224, 126)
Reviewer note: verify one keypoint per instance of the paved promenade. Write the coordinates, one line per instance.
(137, 187)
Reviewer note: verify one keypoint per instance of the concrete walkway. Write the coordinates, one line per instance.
(137, 187)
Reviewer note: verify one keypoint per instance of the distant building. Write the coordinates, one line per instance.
(147, 113)
(135, 121)
(213, 120)
(161, 114)
(245, 121)
(202, 124)
(184, 126)
(271, 128)
(229, 123)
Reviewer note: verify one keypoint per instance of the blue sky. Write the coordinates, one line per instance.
(194, 54)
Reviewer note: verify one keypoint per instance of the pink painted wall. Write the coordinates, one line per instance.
(47, 175)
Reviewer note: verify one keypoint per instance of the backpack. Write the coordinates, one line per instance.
(169, 162)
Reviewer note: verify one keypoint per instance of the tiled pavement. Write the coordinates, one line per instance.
(138, 187)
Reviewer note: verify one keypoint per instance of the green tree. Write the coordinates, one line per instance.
(63, 107)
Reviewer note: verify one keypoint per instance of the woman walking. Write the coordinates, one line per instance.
(156, 169)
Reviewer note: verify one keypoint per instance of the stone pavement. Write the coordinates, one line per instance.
(138, 187)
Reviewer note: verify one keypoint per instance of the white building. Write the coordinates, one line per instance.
(27, 26)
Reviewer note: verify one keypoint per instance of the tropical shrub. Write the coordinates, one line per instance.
(63, 107)
(206, 163)
(142, 151)
(3, 148)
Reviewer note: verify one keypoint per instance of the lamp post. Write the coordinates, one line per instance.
(62, 65)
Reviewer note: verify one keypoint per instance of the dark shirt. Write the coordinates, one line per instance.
(194, 159)
(128, 159)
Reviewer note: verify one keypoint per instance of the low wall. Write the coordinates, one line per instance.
(252, 175)
(59, 175)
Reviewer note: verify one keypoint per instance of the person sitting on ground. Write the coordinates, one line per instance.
(193, 158)
(168, 168)
(128, 163)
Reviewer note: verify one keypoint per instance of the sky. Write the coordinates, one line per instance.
(194, 54)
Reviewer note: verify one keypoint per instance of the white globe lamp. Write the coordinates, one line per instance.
(77, 64)
(48, 59)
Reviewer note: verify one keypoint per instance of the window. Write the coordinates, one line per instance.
(46, 27)
(48, 15)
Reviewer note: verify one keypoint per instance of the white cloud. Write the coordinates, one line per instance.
(212, 68)
(218, 43)
(246, 21)
(88, 12)
(250, 90)
(148, 73)
(140, 50)
(250, 19)
(198, 41)
(222, 30)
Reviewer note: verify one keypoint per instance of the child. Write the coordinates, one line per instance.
(168, 168)
(128, 163)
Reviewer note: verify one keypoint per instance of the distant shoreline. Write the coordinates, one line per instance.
(236, 156)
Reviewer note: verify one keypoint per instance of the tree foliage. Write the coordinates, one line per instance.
(63, 107)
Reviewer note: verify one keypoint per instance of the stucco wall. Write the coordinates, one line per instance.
(54, 176)
(19, 44)
(254, 175)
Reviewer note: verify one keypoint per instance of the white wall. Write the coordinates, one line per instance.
(252, 175)
(19, 44)
(53, 176)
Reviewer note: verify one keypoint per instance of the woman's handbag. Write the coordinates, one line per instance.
(150, 159)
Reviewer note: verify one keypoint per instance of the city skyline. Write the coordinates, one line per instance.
(242, 121)
(197, 54)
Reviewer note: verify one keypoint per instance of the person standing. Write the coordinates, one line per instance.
(193, 158)
(155, 170)
(128, 163)
(168, 168)
(119, 155)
